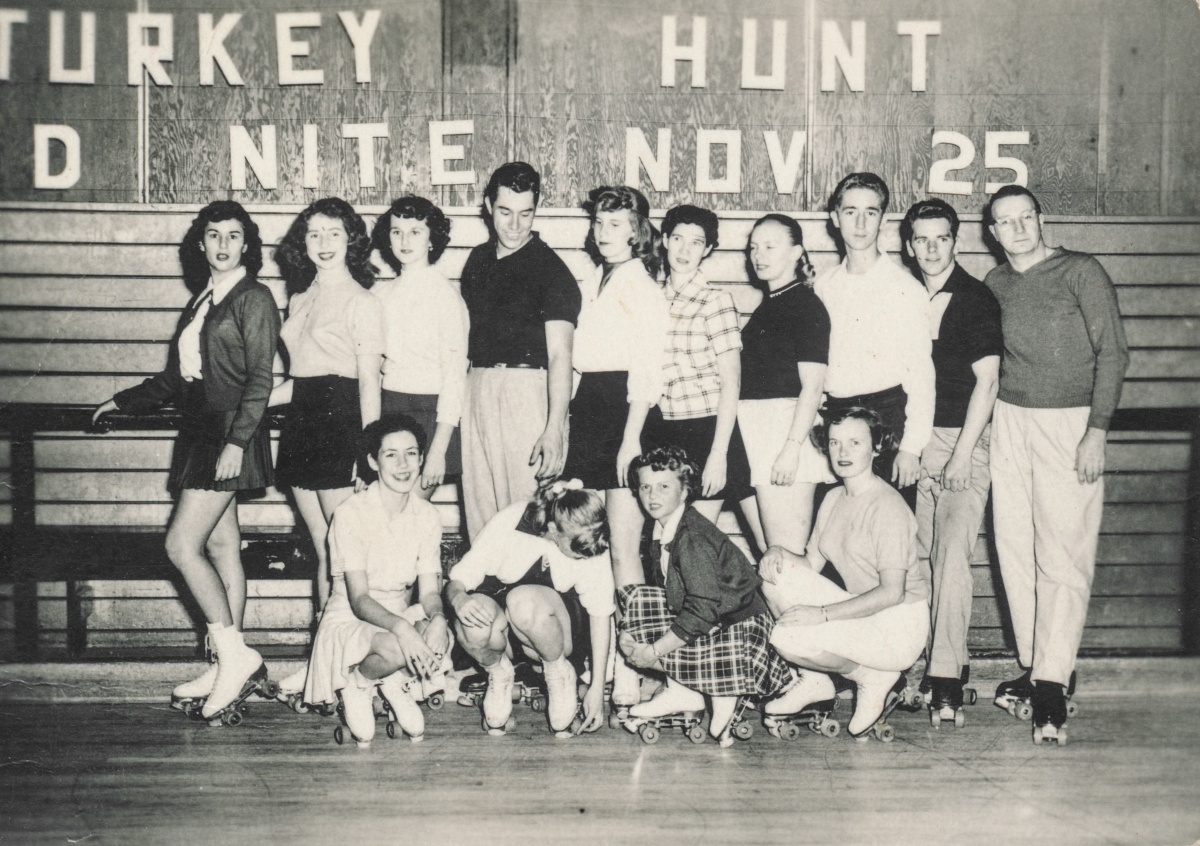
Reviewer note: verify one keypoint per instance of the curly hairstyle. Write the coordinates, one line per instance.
(373, 434)
(882, 440)
(645, 236)
(671, 458)
(196, 271)
(292, 253)
(705, 219)
(804, 266)
(576, 511)
(411, 208)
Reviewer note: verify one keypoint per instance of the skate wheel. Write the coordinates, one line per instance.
(1037, 736)
(466, 700)
(436, 701)
(913, 699)
(935, 719)
(233, 718)
(970, 697)
(695, 734)
(649, 734)
(339, 736)
(297, 704)
(885, 733)
(243, 708)
(538, 704)
(790, 732)
(391, 730)
(1062, 736)
(831, 728)
(960, 719)
(269, 689)
(743, 730)
(1072, 709)
(1024, 711)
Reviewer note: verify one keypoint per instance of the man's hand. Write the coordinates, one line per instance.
(906, 469)
(550, 452)
(1089, 457)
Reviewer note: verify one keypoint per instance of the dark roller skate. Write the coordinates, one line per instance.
(529, 687)
(1050, 712)
(740, 725)
(947, 698)
(1016, 696)
(471, 689)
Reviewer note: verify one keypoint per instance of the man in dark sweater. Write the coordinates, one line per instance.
(955, 476)
(1064, 362)
(523, 304)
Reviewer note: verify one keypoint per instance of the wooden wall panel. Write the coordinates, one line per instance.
(586, 71)
(104, 114)
(1181, 108)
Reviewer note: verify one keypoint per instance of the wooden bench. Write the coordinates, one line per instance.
(89, 295)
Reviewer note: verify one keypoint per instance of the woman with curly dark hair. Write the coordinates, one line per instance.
(334, 340)
(219, 373)
(425, 342)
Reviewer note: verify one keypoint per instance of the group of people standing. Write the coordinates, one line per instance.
(572, 410)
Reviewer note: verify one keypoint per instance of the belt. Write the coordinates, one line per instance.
(515, 365)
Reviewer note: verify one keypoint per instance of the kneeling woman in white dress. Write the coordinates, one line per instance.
(382, 540)
(874, 630)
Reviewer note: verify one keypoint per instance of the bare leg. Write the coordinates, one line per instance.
(485, 644)
(625, 523)
(710, 508)
(540, 621)
(385, 657)
(224, 550)
(316, 509)
(195, 517)
(786, 514)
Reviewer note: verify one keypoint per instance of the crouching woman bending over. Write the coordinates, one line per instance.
(539, 572)
(874, 630)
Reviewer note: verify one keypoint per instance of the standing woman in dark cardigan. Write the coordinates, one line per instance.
(219, 373)
(334, 342)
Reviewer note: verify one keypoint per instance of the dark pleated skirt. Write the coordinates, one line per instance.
(598, 414)
(319, 442)
(201, 438)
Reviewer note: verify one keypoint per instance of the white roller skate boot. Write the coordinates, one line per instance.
(239, 671)
(357, 708)
(191, 694)
(810, 687)
(498, 700)
(397, 691)
(722, 715)
(673, 698)
(871, 706)
(562, 693)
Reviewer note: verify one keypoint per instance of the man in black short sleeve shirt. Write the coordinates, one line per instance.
(955, 474)
(523, 304)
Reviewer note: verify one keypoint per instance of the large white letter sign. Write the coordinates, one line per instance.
(43, 134)
(441, 153)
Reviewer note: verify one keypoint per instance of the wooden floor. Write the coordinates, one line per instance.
(143, 774)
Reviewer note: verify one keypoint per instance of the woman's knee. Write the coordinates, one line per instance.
(182, 546)
(527, 606)
(387, 646)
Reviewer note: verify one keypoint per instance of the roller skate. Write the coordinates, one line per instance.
(357, 710)
(471, 689)
(809, 703)
(398, 692)
(737, 726)
(240, 672)
(291, 693)
(1016, 696)
(675, 707)
(529, 687)
(562, 696)
(498, 698)
(1050, 713)
(191, 694)
(878, 692)
(947, 698)
(626, 692)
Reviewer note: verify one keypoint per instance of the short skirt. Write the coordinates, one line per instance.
(696, 437)
(581, 631)
(765, 424)
(343, 641)
(319, 442)
(733, 661)
(202, 435)
(598, 414)
(423, 409)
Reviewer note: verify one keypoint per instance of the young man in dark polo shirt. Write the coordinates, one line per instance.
(955, 474)
(1064, 364)
(523, 303)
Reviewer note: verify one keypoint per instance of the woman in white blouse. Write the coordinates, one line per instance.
(425, 333)
(617, 357)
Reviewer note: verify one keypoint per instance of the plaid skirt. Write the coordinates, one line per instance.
(733, 661)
